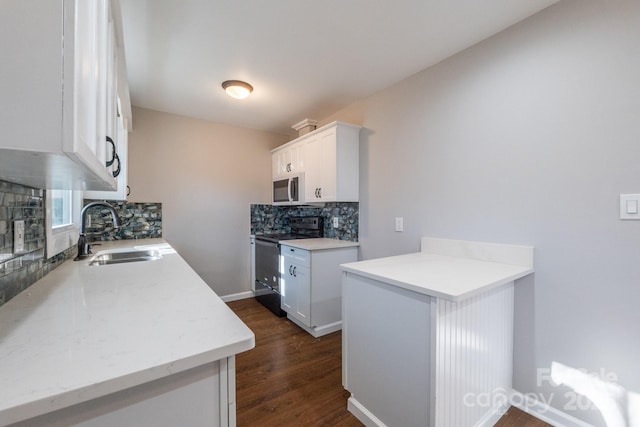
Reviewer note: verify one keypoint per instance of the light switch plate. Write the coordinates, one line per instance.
(336, 222)
(18, 236)
(399, 223)
(630, 206)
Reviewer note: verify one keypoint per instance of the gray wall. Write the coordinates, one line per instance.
(526, 138)
(206, 175)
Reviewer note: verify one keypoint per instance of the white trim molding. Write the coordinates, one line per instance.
(544, 412)
(238, 296)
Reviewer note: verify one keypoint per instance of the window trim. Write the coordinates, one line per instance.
(61, 238)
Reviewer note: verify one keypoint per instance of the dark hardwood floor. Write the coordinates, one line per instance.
(293, 379)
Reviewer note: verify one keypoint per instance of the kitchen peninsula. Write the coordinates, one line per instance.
(428, 337)
(115, 344)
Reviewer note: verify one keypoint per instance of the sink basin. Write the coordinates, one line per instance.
(122, 257)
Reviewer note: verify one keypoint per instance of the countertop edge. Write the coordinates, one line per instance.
(421, 289)
(319, 244)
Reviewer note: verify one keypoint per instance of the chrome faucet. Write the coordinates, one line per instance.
(84, 249)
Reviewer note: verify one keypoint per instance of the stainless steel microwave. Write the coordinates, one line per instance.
(288, 191)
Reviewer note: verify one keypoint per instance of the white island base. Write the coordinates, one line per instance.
(428, 337)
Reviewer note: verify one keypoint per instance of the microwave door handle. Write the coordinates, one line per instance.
(289, 185)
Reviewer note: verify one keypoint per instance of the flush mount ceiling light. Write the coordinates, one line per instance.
(237, 88)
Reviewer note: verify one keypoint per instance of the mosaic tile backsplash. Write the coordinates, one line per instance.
(139, 221)
(268, 219)
(17, 202)
(19, 271)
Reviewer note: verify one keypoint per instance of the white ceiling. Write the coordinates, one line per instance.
(305, 58)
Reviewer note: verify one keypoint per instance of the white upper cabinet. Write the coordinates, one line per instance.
(116, 149)
(119, 167)
(329, 157)
(57, 96)
(332, 164)
(287, 161)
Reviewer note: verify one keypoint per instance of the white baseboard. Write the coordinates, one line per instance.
(544, 412)
(319, 330)
(327, 329)
(362, 414)
(491, 417)
(235, 297)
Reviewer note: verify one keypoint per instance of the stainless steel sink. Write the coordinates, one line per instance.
(122, 257)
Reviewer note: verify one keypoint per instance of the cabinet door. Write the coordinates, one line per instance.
(288, 285)
(122, 146)
(87, 125)
(111, 130)
(312, 179)
(320, 176)
(296, 283)
(303, 293)
(328, 163)
(280, 163)
(295, 158)
(85, 80)
(287, 161)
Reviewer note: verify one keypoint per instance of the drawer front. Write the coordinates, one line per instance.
(301, 256)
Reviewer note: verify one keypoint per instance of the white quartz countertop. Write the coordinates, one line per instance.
(83, 331)
(319, 244)
(448, 269)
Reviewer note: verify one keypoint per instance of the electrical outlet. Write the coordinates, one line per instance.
(18, 236)
(399, 223)
(336, 223)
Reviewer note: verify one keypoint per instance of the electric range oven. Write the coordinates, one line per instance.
(267, 259)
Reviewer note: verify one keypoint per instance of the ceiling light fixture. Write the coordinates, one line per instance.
(237, 88)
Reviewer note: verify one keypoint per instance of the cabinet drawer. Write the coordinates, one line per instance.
(301, 256)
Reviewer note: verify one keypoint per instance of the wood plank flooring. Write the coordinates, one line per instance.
(293, 379)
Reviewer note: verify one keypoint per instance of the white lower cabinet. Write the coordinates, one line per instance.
(311, 287)
(201, 396)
